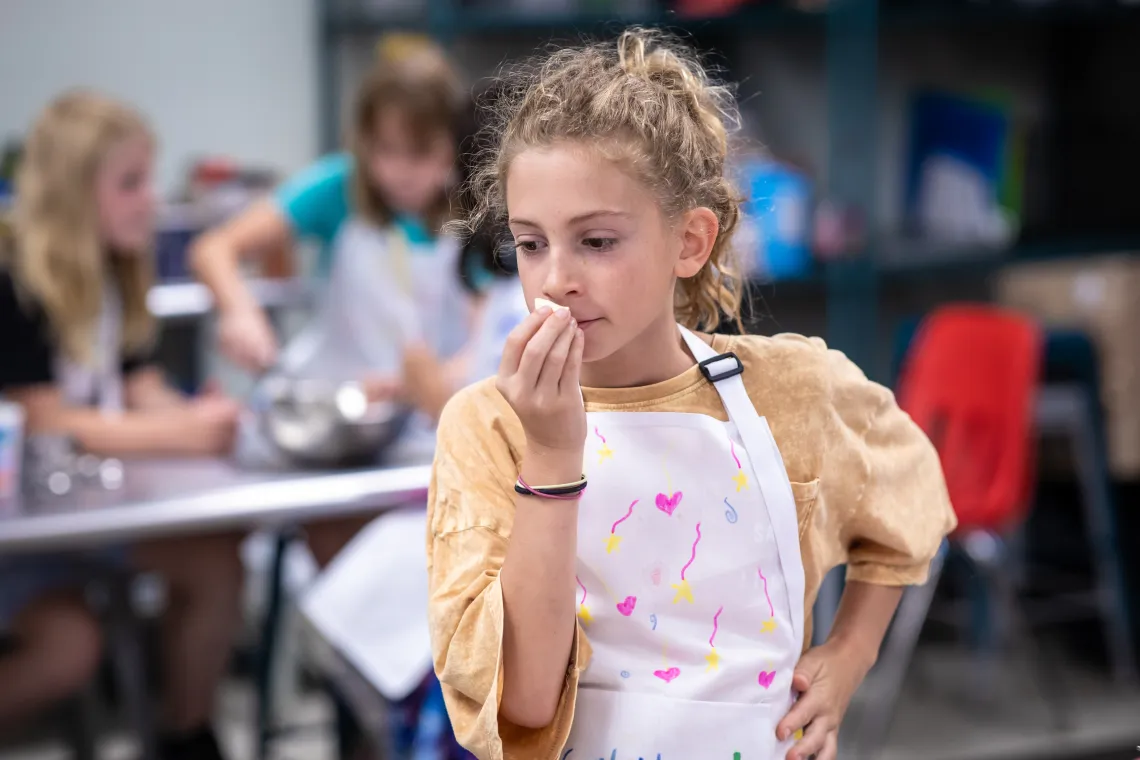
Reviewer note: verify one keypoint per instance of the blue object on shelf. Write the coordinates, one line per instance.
(778, 204)
(970, 131)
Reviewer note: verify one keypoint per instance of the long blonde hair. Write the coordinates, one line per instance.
(646, 101)
(58, 258)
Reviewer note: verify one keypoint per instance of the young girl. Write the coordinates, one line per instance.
(75, 342)
(377, 212)
(629, 525)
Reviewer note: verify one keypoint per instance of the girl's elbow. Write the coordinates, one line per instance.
(529, 711)
(202, 251)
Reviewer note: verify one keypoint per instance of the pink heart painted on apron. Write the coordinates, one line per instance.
(626, 607)
(655, 576)
(667, 675)
(668, 504)
(766, 678)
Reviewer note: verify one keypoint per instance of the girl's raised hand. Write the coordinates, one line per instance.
(538, 376)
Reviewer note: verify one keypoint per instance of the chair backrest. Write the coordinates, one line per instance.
(970, 380)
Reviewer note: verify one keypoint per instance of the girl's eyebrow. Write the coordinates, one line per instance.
(575, 220)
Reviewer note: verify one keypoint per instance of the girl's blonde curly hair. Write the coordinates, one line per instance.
(645, 101)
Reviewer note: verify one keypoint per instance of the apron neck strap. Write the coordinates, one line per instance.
(724, 372)
(700, 350)
(715, 367)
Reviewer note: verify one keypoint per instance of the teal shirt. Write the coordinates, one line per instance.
(318, 201)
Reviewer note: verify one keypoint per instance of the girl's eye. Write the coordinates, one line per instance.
(527, 247)
(599, 243)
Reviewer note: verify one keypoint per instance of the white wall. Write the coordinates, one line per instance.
(229, 77)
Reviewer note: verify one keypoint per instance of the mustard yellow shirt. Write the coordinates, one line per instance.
(867, 483)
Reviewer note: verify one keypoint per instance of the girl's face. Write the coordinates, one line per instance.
(409, 173)
(592, 237)
(125, 197)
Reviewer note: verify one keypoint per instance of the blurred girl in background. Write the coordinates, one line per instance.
(76, 339)
(395, 312)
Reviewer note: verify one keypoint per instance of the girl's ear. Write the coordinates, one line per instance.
(697, 231)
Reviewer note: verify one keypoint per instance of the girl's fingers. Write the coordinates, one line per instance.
(551, 371)
(573, 368)
(830, 747)
(815, 738)
(803, 712)
(518, 338)
(534, 354)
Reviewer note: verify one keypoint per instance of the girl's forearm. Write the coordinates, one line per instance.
(864, 615)
(538, 593)
(147, 390)
(216, 262)
(126, 434)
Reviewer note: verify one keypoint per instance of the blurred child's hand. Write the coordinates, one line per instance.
(379, 388)
(210, 424)
(246, 338)
(826, 679)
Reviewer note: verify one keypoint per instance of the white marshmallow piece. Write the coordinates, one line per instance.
(540, 302)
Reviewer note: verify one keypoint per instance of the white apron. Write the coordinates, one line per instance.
(98, 382)
(690, 583)
(378, 298)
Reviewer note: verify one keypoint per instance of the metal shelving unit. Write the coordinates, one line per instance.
(851, 31)
(448, 20)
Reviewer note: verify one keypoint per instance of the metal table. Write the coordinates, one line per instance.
(166, 497)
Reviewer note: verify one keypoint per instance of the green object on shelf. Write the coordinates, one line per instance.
(1011, 182)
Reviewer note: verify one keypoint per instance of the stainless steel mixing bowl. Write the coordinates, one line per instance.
(327, 424)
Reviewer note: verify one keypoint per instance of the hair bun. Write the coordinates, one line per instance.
(659, 60)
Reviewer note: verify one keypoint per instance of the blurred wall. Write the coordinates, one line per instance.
(233, 77)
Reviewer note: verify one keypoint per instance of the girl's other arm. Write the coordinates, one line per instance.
(244, 332)
(217, 255)
(501, 572)
(188, 430)
(538, 376)
(538, 592)
(147, 390)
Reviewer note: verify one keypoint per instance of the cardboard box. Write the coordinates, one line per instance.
(1100, 295)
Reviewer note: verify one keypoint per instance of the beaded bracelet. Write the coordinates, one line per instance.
(566, 491)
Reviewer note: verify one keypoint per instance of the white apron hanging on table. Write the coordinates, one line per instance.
(690, 583)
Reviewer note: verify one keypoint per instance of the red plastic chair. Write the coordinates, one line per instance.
(970, 381)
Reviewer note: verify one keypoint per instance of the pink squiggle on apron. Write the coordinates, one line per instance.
(623, 519)
(694, 555)
(732, 447)
(715, 626)
(584, 589)
(602, 437)
(771, 609)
